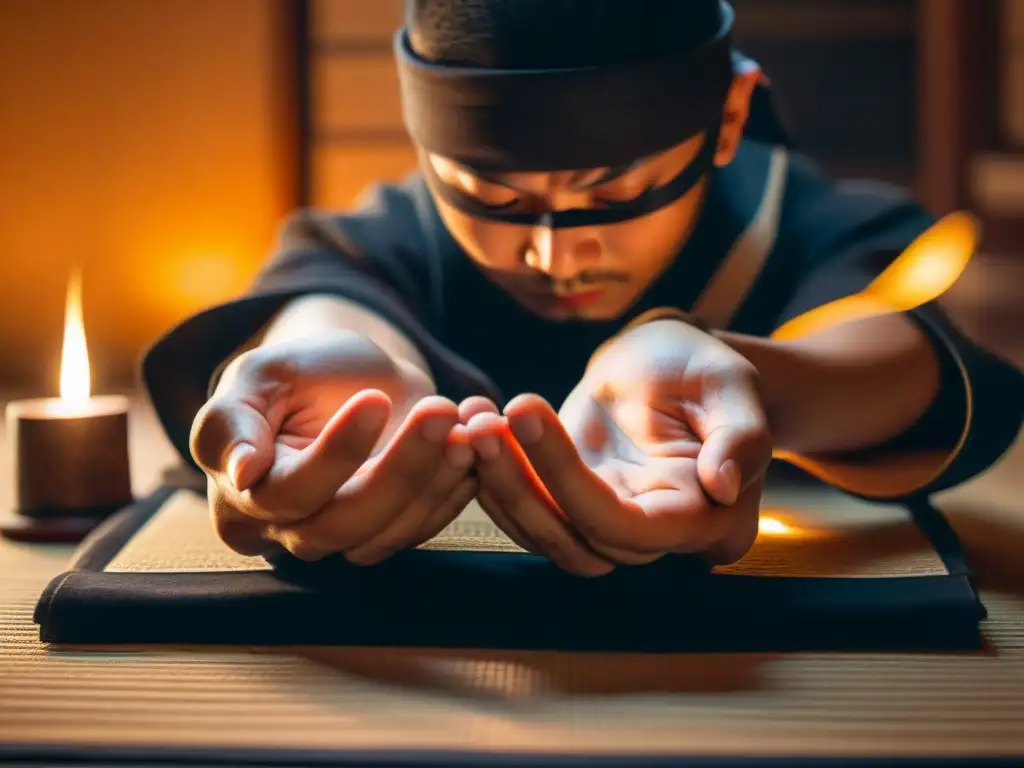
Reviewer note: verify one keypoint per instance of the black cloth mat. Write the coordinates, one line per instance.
(432, 598)
(155, 757)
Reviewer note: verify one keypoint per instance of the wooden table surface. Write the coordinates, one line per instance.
(327, 699)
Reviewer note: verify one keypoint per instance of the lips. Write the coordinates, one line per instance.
(578, 300)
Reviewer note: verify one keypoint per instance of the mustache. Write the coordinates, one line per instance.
(539, 284)
(597, 278)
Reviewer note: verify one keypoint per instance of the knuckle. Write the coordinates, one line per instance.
(305, 549)
(242, 535)
(735, 547)
(208, 430)
(263, 363)
(720, 372)
(593, 569)
(369, 556)
(554, 543)
(272, 503)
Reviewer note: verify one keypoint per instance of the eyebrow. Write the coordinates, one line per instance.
(609, 174)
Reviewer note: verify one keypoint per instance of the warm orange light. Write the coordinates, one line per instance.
(922, 273)
(75, 384)
(772, 526)
(184, 283)
(931, 265)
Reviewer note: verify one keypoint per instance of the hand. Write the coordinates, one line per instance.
(661, 448)
(326, 445)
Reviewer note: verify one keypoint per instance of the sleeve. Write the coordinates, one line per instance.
(842, 236)
(374, 256)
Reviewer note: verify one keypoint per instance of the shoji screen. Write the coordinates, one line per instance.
(354, 129)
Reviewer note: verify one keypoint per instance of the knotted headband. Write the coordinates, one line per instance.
(569, 119)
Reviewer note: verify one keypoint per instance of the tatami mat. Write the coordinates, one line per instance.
(367, 698)
(816, 536)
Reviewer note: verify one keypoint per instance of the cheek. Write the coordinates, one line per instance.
(493, 245)
(644, 245)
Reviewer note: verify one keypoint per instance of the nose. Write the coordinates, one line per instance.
(562, 253)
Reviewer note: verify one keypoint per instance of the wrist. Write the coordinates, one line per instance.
(656, 315)
(854, 387)
(786, 377)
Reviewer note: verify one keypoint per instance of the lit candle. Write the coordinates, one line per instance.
(70, 453)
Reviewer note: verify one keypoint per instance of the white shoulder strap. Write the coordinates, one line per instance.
(736, 275)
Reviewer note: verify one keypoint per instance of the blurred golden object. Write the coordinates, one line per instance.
(773, 526)
(923, 272)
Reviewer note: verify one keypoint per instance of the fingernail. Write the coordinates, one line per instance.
(371, 418)
(459, 456)
(527, 428)
(729, 477)
(435, 428)
(487, 446)
(237, 463)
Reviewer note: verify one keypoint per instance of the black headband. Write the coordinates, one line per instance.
(564, 119)
(611, 213)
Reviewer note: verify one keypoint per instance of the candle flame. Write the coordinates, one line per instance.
(75, 384)
(922, 273)
(772, 526)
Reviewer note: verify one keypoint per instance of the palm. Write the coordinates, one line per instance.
(634, 445)
(309, 407)
(645, 456)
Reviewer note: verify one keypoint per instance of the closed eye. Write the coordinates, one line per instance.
(499, 206)
(610, 200)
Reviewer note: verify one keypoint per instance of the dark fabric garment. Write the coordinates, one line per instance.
(506, 601)
(394, 255)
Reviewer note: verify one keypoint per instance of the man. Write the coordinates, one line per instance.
(565, 314)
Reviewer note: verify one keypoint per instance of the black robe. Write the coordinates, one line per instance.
(776, 238)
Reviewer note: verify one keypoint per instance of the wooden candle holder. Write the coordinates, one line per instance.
(70, 466)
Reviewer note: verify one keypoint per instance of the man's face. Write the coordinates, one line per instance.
(583, 273)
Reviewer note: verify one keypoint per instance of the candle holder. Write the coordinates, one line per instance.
(70, 466)
(69, 454)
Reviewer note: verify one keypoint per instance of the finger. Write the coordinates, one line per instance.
(367, 504)
(509, 526)
(588, 502)
(670, 490)
(612, 475)
(507, 480)
(233, 436)
(471, 406)
(737, 542)
(655, 521)
(301, 483)
(452, 507)
(421, 513)
(737, 446)
(624, 556)
(239, 532)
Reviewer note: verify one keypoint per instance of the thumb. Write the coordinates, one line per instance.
(232, 436)
(737, 445)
